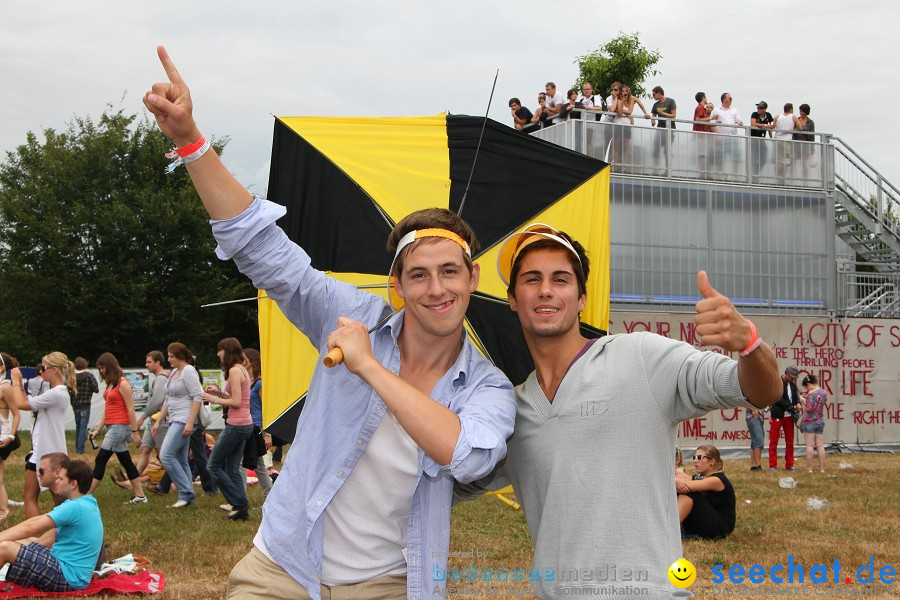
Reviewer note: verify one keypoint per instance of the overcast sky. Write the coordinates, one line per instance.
(247, 61)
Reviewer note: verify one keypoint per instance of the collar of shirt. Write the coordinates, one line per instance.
(394, 326)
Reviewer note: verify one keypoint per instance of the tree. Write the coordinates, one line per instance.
(623, 59)
(101, 250)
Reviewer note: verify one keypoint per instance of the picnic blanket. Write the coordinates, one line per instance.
(145, 582)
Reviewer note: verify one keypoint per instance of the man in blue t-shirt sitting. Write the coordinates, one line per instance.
(69, 563)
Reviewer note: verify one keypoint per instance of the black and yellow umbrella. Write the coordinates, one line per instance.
(347, 181)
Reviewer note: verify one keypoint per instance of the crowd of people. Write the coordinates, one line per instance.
(176, 405)
(618, 108)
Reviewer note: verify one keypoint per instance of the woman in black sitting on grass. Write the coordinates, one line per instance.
(706, 504)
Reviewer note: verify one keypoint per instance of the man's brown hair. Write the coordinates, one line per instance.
(430, 218)
(581, 266)
(79, 472)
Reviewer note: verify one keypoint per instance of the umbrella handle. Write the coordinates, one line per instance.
(334, 357)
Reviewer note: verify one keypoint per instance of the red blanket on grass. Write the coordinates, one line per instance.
(145, 582)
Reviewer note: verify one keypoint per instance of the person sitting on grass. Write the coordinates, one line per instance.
(69, 563)
(706, 504)
(679, 460)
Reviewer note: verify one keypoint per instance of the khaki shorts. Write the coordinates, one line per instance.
(784, 152)
(255, 577)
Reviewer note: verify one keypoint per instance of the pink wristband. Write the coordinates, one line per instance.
(190, 148)
(755, 340)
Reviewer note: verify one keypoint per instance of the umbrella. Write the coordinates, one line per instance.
(346, 182)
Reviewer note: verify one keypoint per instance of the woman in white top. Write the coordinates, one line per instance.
(624, 110)
(49, 431)
(9, 427)
(180, 409)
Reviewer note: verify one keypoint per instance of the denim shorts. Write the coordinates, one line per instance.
(756, 432)
(813, 428)
(116, 438)
(148, 441)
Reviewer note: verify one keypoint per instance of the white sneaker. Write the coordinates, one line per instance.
(137, 500)
(182, 504)
(226, 507)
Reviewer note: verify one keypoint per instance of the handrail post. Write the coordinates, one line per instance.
(669, 141)
(879, 198)
(747, 158)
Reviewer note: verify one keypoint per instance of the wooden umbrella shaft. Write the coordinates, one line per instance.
(335, 356)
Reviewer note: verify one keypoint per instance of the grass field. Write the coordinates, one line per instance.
(197, 547)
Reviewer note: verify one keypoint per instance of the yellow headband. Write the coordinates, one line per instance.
(516, 242)
(409, 238)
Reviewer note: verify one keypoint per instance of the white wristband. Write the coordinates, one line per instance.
(183, 160)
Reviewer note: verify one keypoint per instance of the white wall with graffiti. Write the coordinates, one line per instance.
(857, 362)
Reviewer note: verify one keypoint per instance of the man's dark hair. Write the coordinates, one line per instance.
(551, 84)
(430, 218)
(80, 363)
(699, 96)
(156, 356)
(658, 90)
(788, 107)
(515, 101)
(722, 97)
(581, 269)
(79, 472)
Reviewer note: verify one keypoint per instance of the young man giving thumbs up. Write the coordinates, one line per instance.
(592, 455)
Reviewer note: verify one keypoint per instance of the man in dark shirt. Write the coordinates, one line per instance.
(762, 122)
(86, 387)
(521, 116)
(665, 108)
(783, 414)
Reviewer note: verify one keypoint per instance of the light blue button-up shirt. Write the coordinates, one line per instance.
(342, 411)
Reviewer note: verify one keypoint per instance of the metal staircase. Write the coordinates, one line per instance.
(867, 210)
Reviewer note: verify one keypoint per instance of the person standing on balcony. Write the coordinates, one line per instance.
(609, 117)
(701, 113)
(807, 151)
(784, 125)
(540, 113)
(591, 102)
(762, 123)
(727, 117)
(663, 108)
(521, 116)
(555, 102)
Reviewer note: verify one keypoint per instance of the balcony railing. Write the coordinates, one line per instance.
(682, 153)
(867, 293)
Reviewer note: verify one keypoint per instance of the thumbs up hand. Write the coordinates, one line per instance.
(718, 322)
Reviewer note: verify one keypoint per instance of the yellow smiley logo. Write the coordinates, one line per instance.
(682, 573)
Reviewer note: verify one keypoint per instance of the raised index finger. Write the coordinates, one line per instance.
(168, 65)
